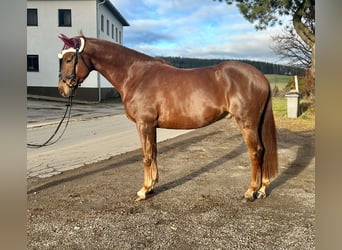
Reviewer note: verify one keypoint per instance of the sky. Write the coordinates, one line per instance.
(197, 29)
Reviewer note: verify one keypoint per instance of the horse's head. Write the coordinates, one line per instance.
(73, 65)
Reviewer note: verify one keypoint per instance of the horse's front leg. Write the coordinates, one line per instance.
(148, 141)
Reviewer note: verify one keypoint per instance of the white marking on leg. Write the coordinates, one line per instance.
(141, 195)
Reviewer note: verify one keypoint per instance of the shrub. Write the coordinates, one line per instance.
(306, 85)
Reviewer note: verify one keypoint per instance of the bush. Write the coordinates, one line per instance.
(277, 92)
(306, 85)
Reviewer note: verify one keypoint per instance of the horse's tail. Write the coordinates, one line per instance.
(269, 141)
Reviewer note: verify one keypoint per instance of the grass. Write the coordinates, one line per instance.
(306, 120)
(279, 107)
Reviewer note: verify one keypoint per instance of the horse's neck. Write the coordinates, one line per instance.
(113, 62)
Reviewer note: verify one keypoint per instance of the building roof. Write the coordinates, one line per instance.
(115, 12)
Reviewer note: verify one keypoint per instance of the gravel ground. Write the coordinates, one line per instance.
(197, 203)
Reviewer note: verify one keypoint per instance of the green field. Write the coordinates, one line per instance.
(279, 80)
(279, 107)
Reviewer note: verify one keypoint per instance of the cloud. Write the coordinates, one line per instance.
(138, 33)
(201, 29)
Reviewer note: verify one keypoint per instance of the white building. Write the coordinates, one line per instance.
(46, 19)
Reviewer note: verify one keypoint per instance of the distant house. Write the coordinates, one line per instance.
(46, 19)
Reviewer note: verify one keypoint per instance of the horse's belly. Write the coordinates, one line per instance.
(191, 120)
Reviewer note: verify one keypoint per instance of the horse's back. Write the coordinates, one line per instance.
(244, 74)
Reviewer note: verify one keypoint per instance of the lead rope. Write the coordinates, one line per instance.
(48, 143)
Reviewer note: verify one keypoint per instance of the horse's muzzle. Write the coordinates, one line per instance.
(64, 89)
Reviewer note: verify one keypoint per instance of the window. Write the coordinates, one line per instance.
(64, 18)
(107, 27)
(116, 34)
(113, 31)
(120, 38)
(32, 63)
(32, 17)
(102, 23)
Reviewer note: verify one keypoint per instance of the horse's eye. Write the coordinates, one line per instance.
(68, 60)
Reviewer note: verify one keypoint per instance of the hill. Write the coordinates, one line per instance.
(265, 67)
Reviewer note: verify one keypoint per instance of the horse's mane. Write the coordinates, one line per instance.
(74, 42)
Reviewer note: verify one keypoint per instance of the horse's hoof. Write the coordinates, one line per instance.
(261, 195)
(247, 199)
(250, 197)
(140, 196)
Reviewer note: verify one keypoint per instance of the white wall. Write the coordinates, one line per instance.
(43, 39)
(103, 34)
(112, 20)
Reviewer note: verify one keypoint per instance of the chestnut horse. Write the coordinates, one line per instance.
(158, 95)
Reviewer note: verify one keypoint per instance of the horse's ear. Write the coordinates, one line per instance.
(68, 42)
(63, 37)
(81, 33)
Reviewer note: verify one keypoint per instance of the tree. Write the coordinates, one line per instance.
(265, 13)
(290, 46)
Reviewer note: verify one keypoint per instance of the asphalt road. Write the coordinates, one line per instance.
(95, 132)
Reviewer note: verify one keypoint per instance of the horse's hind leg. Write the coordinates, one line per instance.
(255, 150)
(148, 141)
(265, 182)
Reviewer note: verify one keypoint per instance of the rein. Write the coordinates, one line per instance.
(73, 87)
(67, 111)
